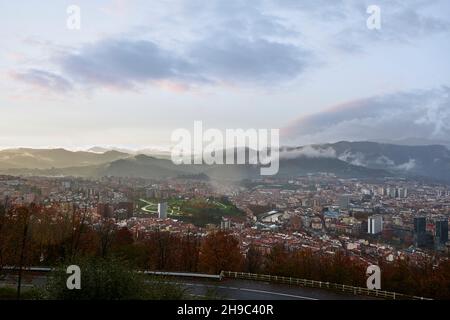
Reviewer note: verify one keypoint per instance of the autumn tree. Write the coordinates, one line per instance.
(188, 253)
(3, 235)
(276, 260)
(106, 232)
(254, 260)
(161, 247)
(220, 251)
(123, 244)
(20, 239)
(122, 238)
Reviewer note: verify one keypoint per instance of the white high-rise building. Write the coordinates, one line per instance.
(162, 210)
(375, 224)
(392, 191)
(402, 192)
(225, 224)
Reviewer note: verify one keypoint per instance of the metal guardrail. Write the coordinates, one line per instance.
(184, 274)
(27, 269)
(319, 284)
(264, 277)
(156, 273)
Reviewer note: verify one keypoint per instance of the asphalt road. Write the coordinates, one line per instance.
(255, 290)
(233, 289)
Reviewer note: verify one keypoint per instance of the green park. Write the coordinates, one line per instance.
(198, 211)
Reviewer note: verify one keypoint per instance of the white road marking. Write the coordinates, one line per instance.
(249, 290)
(278, 294)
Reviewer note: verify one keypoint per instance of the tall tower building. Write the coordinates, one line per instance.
(162, 210)
(375, 224)
(420, 225)
(441, 231)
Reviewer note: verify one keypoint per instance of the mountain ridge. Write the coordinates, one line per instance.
(343, 158)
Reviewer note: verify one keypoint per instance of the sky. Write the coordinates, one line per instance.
(137, 70)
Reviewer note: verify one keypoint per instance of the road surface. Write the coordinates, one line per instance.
(230, 289)
(255, 290)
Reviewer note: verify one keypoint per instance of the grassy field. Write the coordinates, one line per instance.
(197, 211)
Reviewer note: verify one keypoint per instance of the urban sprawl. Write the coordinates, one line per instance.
(386, 219)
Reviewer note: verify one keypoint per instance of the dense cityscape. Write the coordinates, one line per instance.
(389, 219)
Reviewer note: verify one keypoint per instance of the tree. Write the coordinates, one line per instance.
(277, 260)
(78, 225)
(122, 238)
(161, 248)
(220, 251)
(110, 279)
(188, 253)
(106, 233)
(123, 245)
(3, 235)
(22, 239)
(254, 260)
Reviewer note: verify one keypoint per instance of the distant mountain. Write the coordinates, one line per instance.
(147, 167)
(155, 168)
(416, 142)
(150, 167)
(344, 159)
(430, 161)
(153, 152)
(298, 166)
(103, 150)
(26, 158)
(304, 165)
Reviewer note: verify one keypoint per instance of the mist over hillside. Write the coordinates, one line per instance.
(343, 159)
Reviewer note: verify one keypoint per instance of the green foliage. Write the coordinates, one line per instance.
(8, 293)
(201, 212)
(110, 279)
(197, 211)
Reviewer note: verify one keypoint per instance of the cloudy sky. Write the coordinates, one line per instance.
(137, 70)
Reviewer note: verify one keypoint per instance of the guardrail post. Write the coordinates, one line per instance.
(263, 277)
